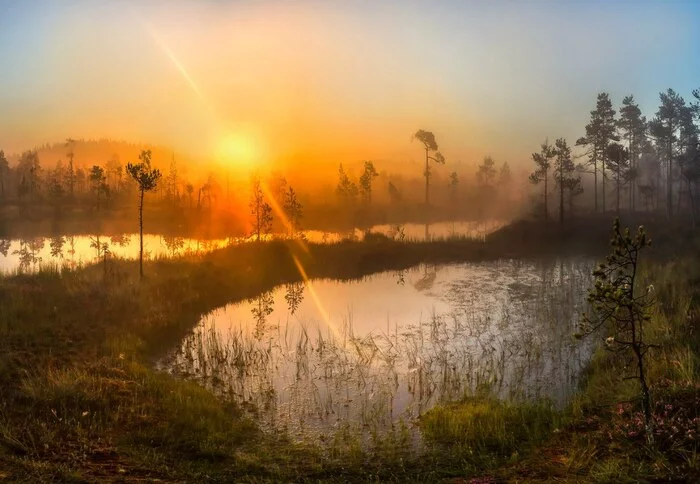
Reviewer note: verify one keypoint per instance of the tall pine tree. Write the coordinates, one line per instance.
(600, 132)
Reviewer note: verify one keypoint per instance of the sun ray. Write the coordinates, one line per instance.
(317, 300)
(277, 209)
(173, 58)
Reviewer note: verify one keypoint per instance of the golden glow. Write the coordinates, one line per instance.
(317, 301)
(282, 216)
(239, 150)
(176, 62)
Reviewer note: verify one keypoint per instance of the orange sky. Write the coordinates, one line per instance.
(256, 82)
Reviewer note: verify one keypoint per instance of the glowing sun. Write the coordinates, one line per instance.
(239, 150)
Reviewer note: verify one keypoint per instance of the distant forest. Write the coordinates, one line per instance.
(623, 161)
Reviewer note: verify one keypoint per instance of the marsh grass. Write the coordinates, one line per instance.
(485, 426)
(605, 439)
(79, 343)
(307, 382)
(56, 327)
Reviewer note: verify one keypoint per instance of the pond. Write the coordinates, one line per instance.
(28, 254)
(74, 250)
(314, 357)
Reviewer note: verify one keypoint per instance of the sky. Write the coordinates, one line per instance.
(261, 82)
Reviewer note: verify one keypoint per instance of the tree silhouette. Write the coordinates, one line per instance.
(294, 295)
(260, 210)
(29, 172)
(262, 307)
(98, 180)
(486, 172)
(600, 132)
(618, 162)
(664, 128)
(346, 189)
(573, 185)
(292, 209)
(543, 162)
(366, 179)
(431, 154)
(55, 186)
(4, 169)
(563, 171)
(189, 188)
(633, 126)
(56, 246)
(453, 190)
(689, 151)
(5, 246)
(505, 176)
(394, 193)
(172, 182)
(147, 180)
(70, 173)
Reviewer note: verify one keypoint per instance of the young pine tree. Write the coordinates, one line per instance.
(621, 306)
(260, 211)
(147, 180)
(366, 179)
(293, 210)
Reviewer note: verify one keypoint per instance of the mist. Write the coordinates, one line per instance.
(398, 241)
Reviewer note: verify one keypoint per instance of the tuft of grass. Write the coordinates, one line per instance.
(483, 425)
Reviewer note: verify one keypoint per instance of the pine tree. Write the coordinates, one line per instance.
(543, 162)
(600, 132)
(260, 210)
(366, 179)
(292, 209)
(633, 126)
(564, 169)
(664, 127)
(618, 163)
(431, 154)
(147, 179)
(486, 172)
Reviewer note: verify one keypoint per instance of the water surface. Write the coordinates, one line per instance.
(28, 254)
(370, 353)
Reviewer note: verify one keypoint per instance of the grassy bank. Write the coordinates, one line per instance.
(81, 402)
(80, 399)
(600, 437)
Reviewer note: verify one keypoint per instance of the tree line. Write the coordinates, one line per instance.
(645, 164)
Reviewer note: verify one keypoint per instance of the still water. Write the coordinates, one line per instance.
(317, 356)
(31, 253)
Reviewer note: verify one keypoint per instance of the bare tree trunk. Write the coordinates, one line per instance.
(427, 177)
(561, 194)
(637, 348)
(669, 181)
(692, 203)
(631, 171)
(546, 202)
(617, 208)
(141, 236)
(602, 168)
(595, 180)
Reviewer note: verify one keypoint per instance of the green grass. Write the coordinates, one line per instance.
(81, 402)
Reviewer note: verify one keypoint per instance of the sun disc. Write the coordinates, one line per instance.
(238, 150)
